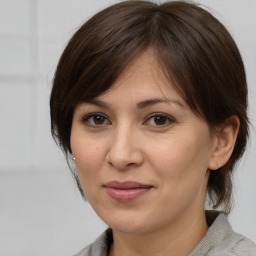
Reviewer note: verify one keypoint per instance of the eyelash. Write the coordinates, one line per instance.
(86, 119)
(167, 118)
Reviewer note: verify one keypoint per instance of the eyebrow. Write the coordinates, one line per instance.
(140, 105)
(150, 102)
(98, 103)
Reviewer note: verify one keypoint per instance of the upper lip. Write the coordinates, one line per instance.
(126, 185)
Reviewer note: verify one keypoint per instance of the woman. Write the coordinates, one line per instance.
(150, 103)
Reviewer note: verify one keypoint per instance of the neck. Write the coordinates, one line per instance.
(179, 239)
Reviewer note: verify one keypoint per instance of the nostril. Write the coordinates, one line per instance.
(124, 161)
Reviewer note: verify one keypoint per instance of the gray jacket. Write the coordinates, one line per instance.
(220, 240)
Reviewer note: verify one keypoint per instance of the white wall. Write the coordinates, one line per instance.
(41, 212)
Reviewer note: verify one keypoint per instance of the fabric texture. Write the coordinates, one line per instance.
(220, 240)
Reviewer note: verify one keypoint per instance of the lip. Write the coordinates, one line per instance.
(126, 191)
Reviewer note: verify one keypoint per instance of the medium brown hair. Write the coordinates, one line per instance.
(196, 53)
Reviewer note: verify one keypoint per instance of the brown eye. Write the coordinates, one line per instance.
(95, 120)
(98, 120)
(159, 120)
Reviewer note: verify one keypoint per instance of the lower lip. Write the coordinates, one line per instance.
(125, 195)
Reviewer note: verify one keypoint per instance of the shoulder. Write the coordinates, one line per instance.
(85, 251)
(221, 240)
(99, 247)
(243, 247)
(231, 243)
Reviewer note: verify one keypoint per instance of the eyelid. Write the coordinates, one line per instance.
(170, 118)
(85, 118)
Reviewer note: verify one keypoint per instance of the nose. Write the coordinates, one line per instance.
(124, 151)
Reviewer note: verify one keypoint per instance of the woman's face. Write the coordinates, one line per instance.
(141, 154)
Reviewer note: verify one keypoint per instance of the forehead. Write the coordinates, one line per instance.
(143, 77)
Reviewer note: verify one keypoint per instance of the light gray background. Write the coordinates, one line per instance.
(41, 212)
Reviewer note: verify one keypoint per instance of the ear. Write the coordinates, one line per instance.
(225, 139)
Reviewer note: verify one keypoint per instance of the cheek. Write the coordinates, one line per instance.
(181, 160)
(89, 157)
(182, 173)
(87, 161)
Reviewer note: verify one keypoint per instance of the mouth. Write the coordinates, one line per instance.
(126, 191)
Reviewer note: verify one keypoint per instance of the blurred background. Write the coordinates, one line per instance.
(41, 211)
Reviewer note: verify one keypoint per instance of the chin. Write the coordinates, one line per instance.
(128, 225)
(128, 228)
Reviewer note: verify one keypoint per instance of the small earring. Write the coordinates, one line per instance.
(73, 158)
(218, 165)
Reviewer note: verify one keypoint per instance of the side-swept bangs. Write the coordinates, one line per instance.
(196, 53)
